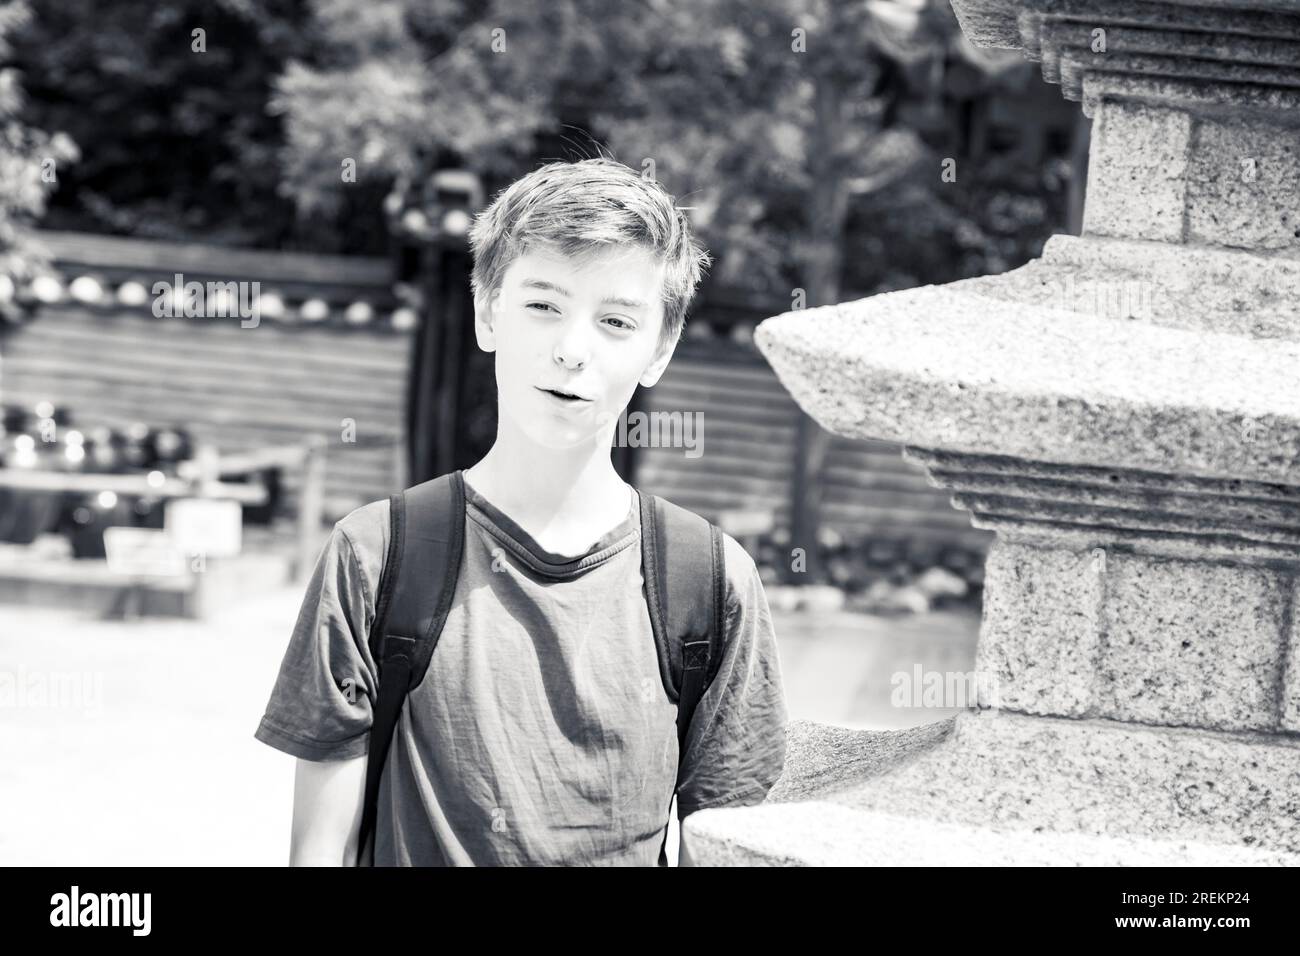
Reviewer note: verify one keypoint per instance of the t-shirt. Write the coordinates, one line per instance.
(541, 733)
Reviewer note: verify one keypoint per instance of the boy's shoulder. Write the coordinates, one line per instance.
(741, 570)
(367, 524)
(367, 531)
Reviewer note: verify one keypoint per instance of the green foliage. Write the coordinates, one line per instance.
(804, 135)
(176, 142)
(25, 154)
(775, 121)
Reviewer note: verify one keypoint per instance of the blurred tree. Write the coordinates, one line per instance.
(31, 162)
(176, 139)
(778, 116)
(796, 131)
(810, 132)
(807, 136)
(776, 120)
(771, 116)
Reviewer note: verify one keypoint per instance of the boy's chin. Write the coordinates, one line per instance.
(558, 434)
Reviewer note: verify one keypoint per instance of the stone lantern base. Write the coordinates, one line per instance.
(1125, 413)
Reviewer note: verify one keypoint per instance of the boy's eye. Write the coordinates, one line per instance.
(622, 323)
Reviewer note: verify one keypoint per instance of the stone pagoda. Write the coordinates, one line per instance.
(1124, 413)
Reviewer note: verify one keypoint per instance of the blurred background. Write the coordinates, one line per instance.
(234, 305)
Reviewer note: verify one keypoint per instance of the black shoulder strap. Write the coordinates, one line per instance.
(683, 564)
(685, 577)
(426, 544)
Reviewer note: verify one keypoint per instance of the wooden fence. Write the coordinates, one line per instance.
(290, 379)
(748, 448)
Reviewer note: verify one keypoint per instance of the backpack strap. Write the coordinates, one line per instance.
(685, 578)
(685, 581)
(684, 569)
(426, 544)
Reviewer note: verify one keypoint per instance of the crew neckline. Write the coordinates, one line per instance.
(525, 546)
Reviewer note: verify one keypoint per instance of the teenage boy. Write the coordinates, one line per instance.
(541, 732)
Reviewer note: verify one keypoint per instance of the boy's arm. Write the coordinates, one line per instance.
(683, 858)
(327, 803)
(319, 710)
(735, 747)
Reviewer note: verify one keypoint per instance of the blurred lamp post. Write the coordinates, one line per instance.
(437, 217)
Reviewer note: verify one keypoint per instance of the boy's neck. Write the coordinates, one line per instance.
(565, 507)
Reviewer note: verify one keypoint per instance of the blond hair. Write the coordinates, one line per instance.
(586, 207)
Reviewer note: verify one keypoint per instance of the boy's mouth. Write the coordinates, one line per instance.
(566, 396)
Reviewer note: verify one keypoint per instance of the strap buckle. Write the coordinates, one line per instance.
(390, 651)
(695, 655)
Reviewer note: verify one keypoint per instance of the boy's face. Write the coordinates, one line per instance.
(588, 326)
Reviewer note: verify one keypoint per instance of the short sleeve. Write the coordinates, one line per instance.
(735, 747)
(320, 705)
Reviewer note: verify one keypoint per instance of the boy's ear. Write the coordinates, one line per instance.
(656, 368)
(485, 320)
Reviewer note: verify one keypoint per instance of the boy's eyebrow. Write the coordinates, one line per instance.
(608, 300)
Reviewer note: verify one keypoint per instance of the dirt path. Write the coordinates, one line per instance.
(148, 758)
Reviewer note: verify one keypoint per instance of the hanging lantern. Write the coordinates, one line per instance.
(314, 310)
(86, 289)
(456, 222)
(132, 293)
(359, 313)
(270, 305)
(47, 289)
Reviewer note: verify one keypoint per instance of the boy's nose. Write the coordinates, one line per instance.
(572, 349)
(560, 357)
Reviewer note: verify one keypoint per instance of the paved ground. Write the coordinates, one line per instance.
(148, 757)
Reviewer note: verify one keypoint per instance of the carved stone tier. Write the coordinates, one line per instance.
(1124, 412)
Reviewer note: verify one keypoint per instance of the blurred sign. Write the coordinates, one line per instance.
(739, 523)
(142, 551)
(206, 526)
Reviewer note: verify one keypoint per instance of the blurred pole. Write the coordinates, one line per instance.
(1080, 138)
(812, 443)
(436, 418)
(421, 426)
(449, 396)
(311, 506)
(436, 413)
(828, 213)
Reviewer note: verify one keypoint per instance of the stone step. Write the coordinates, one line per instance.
(827, 834)
(1012, 788)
